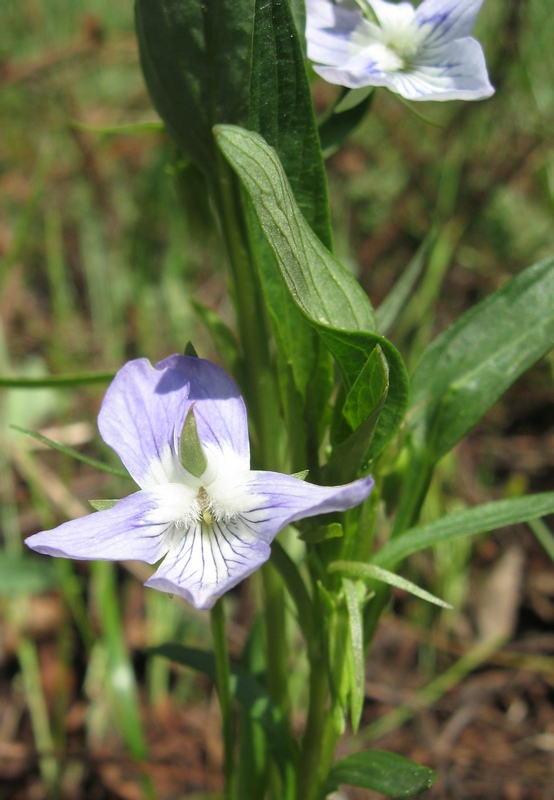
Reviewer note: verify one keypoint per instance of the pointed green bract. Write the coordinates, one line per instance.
(191, 454)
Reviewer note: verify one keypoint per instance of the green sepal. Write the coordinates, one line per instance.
(102, 505)
(190, 350)
(322, 533)
(191, 454)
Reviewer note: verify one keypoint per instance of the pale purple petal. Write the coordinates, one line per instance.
(204, 562)
(447, 20)
(280, 499)
(118, 533)
(461, 74)
(356, 74)
(422, 54)
(328, 31)
(145, 407)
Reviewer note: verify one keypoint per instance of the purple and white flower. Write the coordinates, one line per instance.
(180, 428)
(423, 53)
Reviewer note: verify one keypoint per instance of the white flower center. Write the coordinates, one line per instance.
(392, 40)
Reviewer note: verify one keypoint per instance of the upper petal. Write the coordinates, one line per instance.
(277, 500)
(145, 407)
(125, 531)
(446, 20)
(329, 30)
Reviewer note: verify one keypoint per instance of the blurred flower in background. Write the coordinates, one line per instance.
(422, 54)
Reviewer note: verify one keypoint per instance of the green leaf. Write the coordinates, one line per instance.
(366, 397)
(402, 291)
(69, 451)
(196, 59)
(469, 366)
(355, 655)
(339, 124)
(371, 572)
(325, 291)
(479, 519)
(381, 771)
(245, 689)
(322, 533)
(24, 574)
(282, 110)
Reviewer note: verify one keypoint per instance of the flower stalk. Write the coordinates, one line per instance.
(223, 675)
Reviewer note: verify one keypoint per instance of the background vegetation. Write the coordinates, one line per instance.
(100, 263)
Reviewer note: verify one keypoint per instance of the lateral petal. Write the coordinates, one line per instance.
(280, 499)
(122, 532)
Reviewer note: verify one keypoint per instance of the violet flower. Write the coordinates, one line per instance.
(424, 53)
(180, 428)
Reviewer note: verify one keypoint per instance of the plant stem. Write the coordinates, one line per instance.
(320, 738)
(223, 674)
(261, 392)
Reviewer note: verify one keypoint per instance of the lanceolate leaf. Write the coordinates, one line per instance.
(326, 293)
(196, 59)
(387, 773)
(355, 657)
(480, 519)
(371, 572)
(469, 366)
(282, 110)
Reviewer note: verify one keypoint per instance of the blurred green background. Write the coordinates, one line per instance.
(99, 263)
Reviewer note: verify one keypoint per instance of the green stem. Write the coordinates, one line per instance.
(416, 483)
(252, 326)
(320, 738)
(223, 675)
(276, 637)
(261, 392)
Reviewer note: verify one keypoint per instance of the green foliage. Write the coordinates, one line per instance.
(371, 573)
(325, 292)
(475, 520)
(25, 574)
(245, 689)
(469, 366)
(196, 59)
(382, 772)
